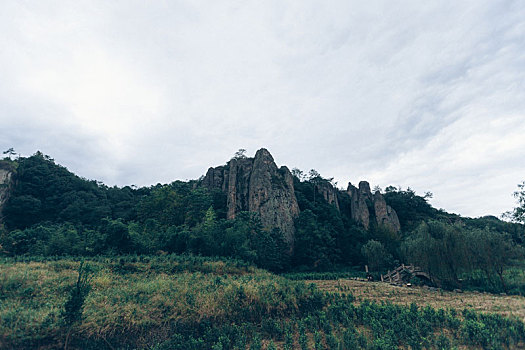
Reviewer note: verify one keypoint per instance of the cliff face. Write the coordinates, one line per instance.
(385, 215)
(365, 206)
(329, 193)
(6, 180)
(258, 185)
(360, 200)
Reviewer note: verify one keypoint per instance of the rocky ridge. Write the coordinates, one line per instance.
(365, 207)
(258, 185)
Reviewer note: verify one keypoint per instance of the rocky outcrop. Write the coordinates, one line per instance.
(385, 215)
(6, 181)
(366, 207)
(360, 202)
(258, 185)
(329, 193)
(215, 178)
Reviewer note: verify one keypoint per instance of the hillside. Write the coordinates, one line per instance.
(191, 264)
(185, 302)
(250, 209)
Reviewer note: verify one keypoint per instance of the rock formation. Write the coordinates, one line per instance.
(385, 215)
(360, 202)
(329, 193)
(365, 206)
(6, 179)
(258, 185)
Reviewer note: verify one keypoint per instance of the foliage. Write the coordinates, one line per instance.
(376, 255)
(190, 302)
(75, 303)
(52, 212)
(411, 209)
(47, 192)
(323, 233)
(240, 154)
(448, 251)
(518, 214)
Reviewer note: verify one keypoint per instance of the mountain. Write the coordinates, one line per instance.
(249, 184)
(258, 185)
(249, 208)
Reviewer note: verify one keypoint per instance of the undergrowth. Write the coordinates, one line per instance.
(188, 302)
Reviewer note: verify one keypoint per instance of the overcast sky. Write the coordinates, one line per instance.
(428, 94)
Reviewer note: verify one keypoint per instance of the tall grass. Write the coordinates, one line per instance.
(187, 302)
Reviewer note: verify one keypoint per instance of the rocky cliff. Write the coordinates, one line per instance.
(258, 185)
(329, 193)
(6, 180)
(365, 207)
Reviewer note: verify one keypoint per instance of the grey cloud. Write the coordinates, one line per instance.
(140, 93)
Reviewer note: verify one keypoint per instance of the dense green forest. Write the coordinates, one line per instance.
(52, 212)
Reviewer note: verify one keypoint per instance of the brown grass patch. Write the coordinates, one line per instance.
(506, 305)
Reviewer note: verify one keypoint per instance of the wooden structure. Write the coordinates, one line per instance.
(403, 274)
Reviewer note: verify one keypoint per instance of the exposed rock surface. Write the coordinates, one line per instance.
(360, 200)
(258, 185)
(365, 207)
(329, 193)
(6, 180)
(385, 215)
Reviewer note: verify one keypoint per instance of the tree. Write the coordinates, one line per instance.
(117, 235)
(315, 243)
(240, 154)
(411, 208)
(518, 214)
(492, 252)
(376, 255)
(315, 178)
(273, 252)
(72, 313)
(299, 174)
(10, 152)
(440, 249)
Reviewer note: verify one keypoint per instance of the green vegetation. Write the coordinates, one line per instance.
(189, 302)
(164, 269)
(54, 212)
(518, 214)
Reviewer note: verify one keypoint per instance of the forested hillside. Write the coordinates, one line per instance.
(50, 211)
(176, 266)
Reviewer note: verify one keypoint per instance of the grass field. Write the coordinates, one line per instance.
(188, 302)
(513, 306)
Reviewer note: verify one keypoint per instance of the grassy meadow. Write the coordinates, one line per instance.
(189, 302)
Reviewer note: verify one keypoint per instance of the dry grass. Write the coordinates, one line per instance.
(137, 298)
(513, 306)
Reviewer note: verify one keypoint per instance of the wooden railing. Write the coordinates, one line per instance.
(403, 273)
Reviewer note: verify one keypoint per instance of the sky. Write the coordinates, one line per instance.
(428, 95)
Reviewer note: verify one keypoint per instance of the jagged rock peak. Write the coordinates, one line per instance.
(385, 215)
(364, 188)
(329, 193)
(263, 153)
(258, 185)
(365, 207)
(359, 211)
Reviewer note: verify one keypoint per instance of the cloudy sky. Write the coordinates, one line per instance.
(429, 94)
